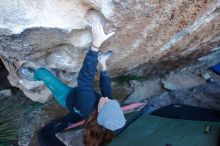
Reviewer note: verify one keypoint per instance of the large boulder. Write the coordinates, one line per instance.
(151, 36)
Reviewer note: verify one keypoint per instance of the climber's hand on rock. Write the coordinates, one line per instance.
(99, 35)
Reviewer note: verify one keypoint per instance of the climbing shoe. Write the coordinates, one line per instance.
(103, 57)
(26, 72)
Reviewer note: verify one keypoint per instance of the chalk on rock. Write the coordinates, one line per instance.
(170, 86)
(5, 92)
(30, 84)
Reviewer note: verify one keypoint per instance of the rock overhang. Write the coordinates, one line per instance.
(151, 35)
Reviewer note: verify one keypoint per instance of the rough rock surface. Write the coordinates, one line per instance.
(151, 36)
(206, 96)
(33, 116)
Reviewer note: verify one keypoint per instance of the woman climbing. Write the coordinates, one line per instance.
(104, 115)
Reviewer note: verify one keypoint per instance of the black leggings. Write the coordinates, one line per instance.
(46, 136)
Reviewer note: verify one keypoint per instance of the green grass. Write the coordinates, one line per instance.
(128, 78)
(7, 126)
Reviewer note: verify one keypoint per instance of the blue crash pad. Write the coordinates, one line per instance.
(216, 68)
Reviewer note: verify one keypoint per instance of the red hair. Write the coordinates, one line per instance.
(95, 134)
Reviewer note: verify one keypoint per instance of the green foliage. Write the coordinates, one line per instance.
(7, 126)
(128, 78)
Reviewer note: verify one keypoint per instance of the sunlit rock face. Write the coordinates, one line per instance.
(150, 35)
(52, 33)
(160, 35)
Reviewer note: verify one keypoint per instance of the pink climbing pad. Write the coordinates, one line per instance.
(124, 108)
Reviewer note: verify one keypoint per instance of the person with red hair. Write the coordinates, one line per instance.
(104, 115)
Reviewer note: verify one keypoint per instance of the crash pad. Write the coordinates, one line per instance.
(216, 68)
(151, 130)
